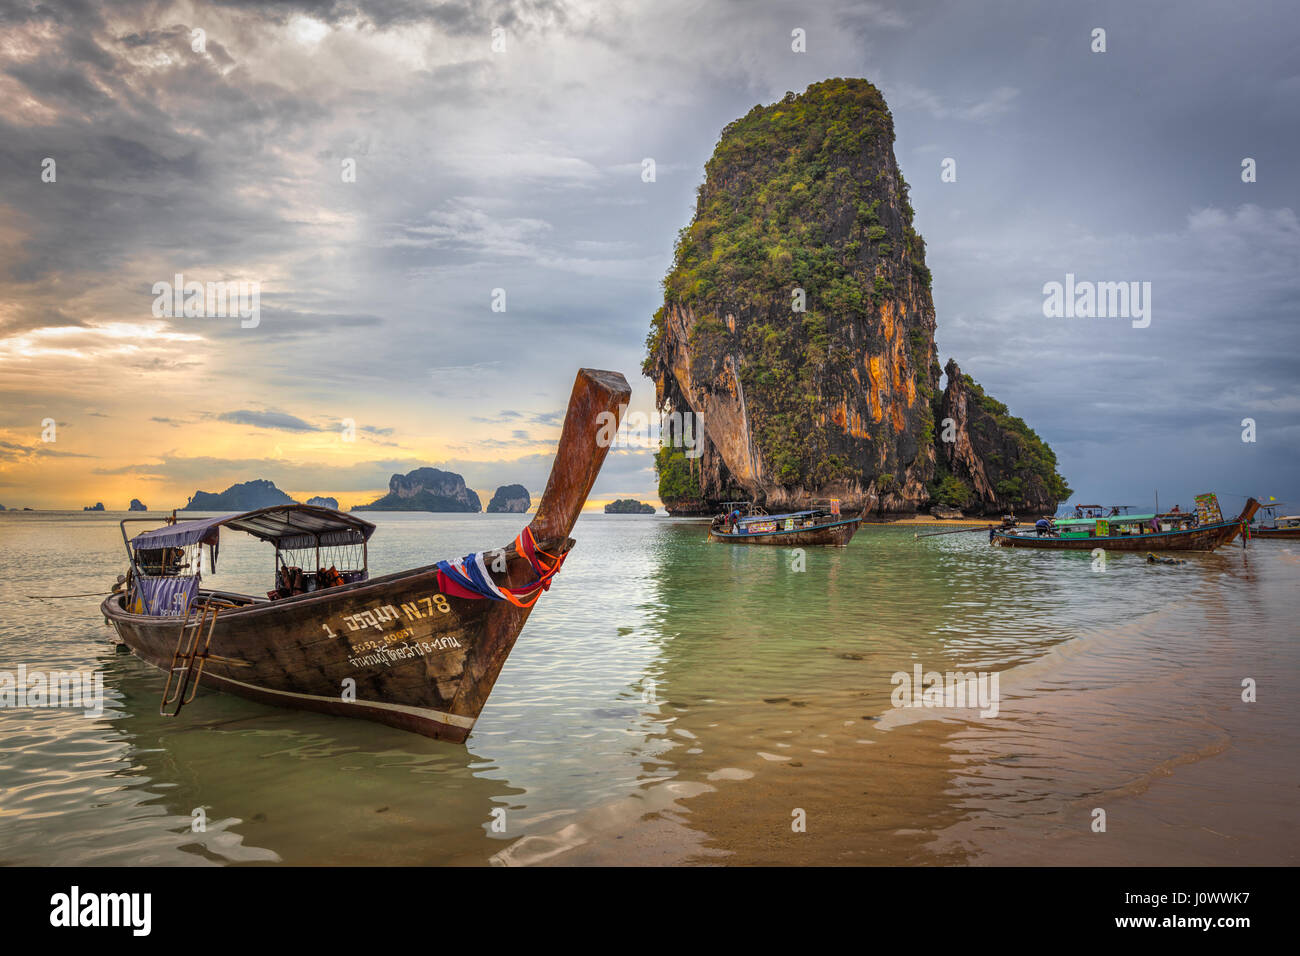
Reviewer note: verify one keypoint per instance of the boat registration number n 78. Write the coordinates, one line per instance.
(382, 614)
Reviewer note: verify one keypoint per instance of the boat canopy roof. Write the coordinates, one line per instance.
(1113, 519)
(786, 514)
(286, 526)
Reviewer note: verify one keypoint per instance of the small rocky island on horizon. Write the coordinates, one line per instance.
(629, 506)
(136, 505)
(423, 489)
(242, 496)
(426, 489)
(510, 499)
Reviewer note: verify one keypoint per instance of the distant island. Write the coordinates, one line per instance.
(246, 496)
(628, 506)
(136, 505)
(97, 506)
(426, 489)
(510, 499)
(321, 502)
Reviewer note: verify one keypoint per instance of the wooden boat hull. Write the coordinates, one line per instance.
(1276, 534)
(837, 534)
(394, 649)
(418, 659)
(1204, 538)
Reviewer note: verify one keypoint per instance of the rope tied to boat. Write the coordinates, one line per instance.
(470, 578)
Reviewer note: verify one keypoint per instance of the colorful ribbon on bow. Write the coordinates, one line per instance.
(470, 578)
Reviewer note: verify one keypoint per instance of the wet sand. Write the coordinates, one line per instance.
(1145, 722)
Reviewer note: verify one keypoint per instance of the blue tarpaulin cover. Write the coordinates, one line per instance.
(168, 596)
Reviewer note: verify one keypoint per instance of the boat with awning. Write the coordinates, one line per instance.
(1273, 526)
(745, 523)
(1202, 530)
(419, 649)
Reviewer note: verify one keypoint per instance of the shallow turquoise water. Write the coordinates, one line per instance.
(655, 657)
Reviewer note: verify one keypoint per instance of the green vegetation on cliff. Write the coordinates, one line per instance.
(677, 480)
(793, 206)
(947, 489)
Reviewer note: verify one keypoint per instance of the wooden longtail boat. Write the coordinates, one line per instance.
(1086, 534)
(1283, 527)
(418, 650)
(793, 530)
(1279, 533)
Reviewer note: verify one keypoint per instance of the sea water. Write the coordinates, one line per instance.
(676, 701)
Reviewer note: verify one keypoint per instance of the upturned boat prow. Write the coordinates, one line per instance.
(419, 650)
(598, 401)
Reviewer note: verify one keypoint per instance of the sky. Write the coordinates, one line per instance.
(500, 146)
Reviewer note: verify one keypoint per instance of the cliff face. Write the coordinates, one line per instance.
(426, 489)
(797, 319)
(998, 463)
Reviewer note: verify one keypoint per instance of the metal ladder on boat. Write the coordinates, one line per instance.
(184, 672)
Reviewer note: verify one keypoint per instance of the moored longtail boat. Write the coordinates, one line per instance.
(1204, 531)
(792, 530)
(419, 649)
(1282, 527)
